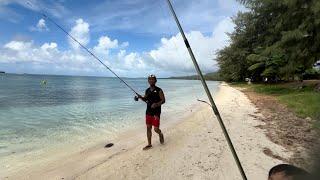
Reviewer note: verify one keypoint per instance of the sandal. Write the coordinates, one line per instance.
(147, 147)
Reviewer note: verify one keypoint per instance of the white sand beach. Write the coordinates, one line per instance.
(194, 148)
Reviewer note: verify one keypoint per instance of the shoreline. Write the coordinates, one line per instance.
(194, 148)
(46, 145)
(123, 137)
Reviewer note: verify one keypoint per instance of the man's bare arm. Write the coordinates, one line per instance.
(162, 100)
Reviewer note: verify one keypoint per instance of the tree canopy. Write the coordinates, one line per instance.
(274, 39)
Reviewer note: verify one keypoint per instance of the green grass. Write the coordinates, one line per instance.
(303, 100)
(272, 89)
(240, 84)
(305, 104)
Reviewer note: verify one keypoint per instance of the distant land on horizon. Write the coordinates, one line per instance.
(30, 74)
(67, 75)
(213, 76)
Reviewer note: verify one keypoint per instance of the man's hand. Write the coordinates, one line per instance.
(154, 105)
(143, 98)
(139, 96)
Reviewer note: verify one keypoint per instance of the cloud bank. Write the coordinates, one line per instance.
(169, 57)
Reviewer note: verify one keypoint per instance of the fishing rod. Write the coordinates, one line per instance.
(84, 47)
(205, 86)
(213, 106)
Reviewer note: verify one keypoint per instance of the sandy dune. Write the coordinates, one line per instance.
(195, 148)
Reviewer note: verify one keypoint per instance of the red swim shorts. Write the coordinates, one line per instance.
(153, 120)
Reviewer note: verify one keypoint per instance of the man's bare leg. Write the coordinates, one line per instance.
(157, 130)
(149, 136)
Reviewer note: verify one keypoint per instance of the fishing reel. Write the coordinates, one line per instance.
(136, 98)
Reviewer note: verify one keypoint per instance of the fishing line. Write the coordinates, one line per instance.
(85, 48)
(212, 104)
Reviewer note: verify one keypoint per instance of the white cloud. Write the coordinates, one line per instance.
(172, 54)
(18, 45)
(50, 58)
(105, 44)
(41, 26)
(170, 57)
(20, 51)
(80, 32)
(47, 53)
(48, 46)
(130, 60)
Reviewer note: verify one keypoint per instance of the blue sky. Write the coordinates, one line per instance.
(135, 38)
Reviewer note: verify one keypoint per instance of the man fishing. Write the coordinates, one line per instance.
(154, 97)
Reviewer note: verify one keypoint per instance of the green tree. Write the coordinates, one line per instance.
(276, 39)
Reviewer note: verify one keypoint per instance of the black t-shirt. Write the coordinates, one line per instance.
(153, 96)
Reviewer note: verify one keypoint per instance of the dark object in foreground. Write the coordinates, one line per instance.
(108, 145)
(147, 147)
(287, 171)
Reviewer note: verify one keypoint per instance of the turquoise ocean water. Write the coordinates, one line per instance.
(37, 118)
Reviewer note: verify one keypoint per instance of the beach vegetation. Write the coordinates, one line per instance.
(274, 41)
(302, 98)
